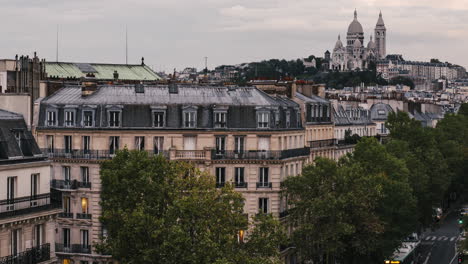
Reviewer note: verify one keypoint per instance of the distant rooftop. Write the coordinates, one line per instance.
(133, 72)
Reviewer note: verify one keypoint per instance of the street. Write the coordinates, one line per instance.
(439, 246)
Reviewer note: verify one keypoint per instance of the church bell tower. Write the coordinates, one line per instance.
(380, 38)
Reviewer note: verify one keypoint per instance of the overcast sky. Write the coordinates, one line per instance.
(180, 33)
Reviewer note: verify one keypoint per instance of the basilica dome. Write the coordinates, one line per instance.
(355, 27)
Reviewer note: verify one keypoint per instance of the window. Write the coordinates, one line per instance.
(86, 144)
(263, 205)
(140, 143)
(15, 241)
(11, 188)
(380, 112)
(190, 119)
(220, 144)
(18, 136)
(113, 144)
(158, 144)
(69, 117)
(298, 119)
(34, 185)
(84, 237)
(190, 143)
(51, 118)
(67, 143)
(220, 119)
(263, 119)
(38, 235)
(66, 174)
(158, 118)
(114, 118)
(288, 119)
(239, 144)
(84, 174)
(88, 118)
(84, 205)
(66, 204)
(66, 237)
(239, 179)
(263, 179)
(220, 176)
(50, 143)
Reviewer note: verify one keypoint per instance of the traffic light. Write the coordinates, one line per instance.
(460, 221)
(460, 258)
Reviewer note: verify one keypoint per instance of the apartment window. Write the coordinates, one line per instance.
(38, 235)
(288, 119)
(50, 143)
(263, 119)
(158, 144)
(88, 118)
(220, 144)
(51, 116)
(220, 176)
(220, 119)
(140, 143)
(34, 185)
(67, 140)
(239, 176)
(298, 119)
(66, 174)
(84, 237)
(69, 117)
(114, 118)
(66, 204)
(277, 118)
(11, 189)
(113, 144)
(15, 241)
(86, 144)
(84, 174)
(190, 119)
(158, 118)
(190, 143)
(18, 136)
(263, 205)
(239, 144)
(66, 237)
(263, 179)
(84, 205)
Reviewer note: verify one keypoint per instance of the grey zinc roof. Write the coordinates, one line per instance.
(380, 106)
(4, 114)
(312, 99)
(159, 94)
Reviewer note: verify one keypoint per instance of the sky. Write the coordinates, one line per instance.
(180, 33)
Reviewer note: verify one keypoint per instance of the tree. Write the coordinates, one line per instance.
(402, 80)
(160, 211)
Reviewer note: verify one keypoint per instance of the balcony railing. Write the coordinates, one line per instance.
(322, 143)
(284, 214)
(190, 154)
(260, 155)
(264, 185)
(83, 216)
(69, 185)
(73, 248)
(29, 204)
(65, 215)
(88, 154)
(31, 255)
(240, 185)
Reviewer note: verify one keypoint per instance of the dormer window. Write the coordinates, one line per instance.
(220, 119)
(69, 118)
(288, 119)
(114, 118)
(190, 117)
(263, 119)
(51, 116)
(158, 118)
(298, 119)
(88, 118)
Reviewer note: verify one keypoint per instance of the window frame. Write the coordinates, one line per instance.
(157, 112)
(220, 123)
(83, 117)
(188, 112)
(66, 121)
(263, 119)
(220, 173)
(114, 144)
(263, 205)
(53, 111)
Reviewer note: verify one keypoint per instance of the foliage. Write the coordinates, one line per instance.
(351, 139)
(159, 211)
(402, 80)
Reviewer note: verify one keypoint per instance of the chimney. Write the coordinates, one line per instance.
(116, 75)
(88, 85)
(142, 61)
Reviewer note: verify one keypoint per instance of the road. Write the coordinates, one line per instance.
(441, 242)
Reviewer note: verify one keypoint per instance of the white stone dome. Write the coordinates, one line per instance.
(355, 27)
(338, 44)
(371, 44)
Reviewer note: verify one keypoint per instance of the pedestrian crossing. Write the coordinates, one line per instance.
(439, 238)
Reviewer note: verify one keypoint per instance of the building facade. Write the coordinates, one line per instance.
(355, 55)
(28, 208)
(239, 135)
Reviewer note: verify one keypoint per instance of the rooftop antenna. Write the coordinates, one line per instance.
(126, 45)
(206, 66)
(57, 44)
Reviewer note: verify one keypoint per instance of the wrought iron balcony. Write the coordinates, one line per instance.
(31, 255)
(88, 154)
(72, 248)
(240, 185)
(264, 185)
(30, 204)
(65, 215)
(69, 185)
(259, 154)
(322, 143)
(83, 216)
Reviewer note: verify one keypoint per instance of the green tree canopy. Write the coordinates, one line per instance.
(160, 211)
